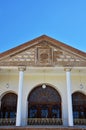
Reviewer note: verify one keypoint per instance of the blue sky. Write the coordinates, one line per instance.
(24, 20)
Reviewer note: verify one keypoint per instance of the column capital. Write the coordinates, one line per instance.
(21, 68)
(67, 69)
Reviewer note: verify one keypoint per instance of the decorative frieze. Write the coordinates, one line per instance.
(44, 54)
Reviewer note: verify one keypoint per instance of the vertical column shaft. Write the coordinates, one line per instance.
(69, 97)
(19, 102)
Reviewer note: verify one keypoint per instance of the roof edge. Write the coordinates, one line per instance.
(42, 37)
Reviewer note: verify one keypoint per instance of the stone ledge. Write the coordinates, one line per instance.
(44, 128)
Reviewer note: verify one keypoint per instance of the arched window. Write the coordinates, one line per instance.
(44, 103)
(8, 105)
(79, 105)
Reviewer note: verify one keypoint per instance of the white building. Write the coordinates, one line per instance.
(43, 81)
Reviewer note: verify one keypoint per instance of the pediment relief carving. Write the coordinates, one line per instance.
(43, 54)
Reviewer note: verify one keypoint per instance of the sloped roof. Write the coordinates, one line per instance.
(43, 51)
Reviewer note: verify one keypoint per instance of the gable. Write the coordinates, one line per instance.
(43, 51)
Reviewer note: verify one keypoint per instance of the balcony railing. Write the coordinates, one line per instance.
(79, 121)
(7, 121)
(44, 121)
(39, 121)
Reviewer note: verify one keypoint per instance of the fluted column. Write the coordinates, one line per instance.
(69, 97)
(19, 101)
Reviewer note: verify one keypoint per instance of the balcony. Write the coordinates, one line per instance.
(44, 121)
(7, 121)
(79, 121)
(40, 121)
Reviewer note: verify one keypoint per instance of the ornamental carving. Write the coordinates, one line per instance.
(44, 56)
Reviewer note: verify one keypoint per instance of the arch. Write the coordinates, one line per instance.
(79, 105)
(79, 91)
(8, 105)
(44, 103)
(47, 84)
(6, 92)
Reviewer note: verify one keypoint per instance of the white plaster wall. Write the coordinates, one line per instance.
(12, 83)
(76, 83)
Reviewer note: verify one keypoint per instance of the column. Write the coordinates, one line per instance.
(69, 97)
(19, 101)
(0, 107)
(0, 103)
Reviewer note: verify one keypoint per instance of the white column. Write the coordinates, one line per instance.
(19, 101)
(0, 103)
(69, 97)
(0, 106)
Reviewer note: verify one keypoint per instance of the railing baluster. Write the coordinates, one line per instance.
(40, 121)
(79, 121)
(7, 121)
(44, 121)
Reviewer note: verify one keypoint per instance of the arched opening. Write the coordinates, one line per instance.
(9, 107)
(79, 108)
(44, 103)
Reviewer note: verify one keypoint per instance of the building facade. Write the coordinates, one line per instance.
(43, 82)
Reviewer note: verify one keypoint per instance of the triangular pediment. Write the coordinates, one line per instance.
(43, 51)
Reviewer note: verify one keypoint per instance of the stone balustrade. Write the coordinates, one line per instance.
(44, 121)
(40, 121)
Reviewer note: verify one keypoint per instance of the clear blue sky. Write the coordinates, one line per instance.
(24, 20)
